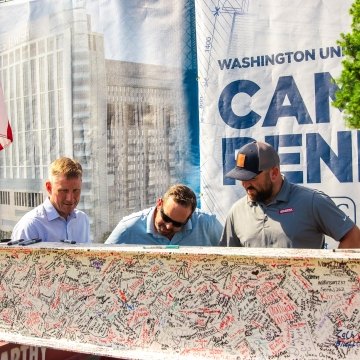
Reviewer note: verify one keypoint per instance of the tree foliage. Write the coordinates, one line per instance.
(348, 96)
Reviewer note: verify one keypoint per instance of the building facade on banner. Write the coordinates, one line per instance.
(65, 99)
(145, 114)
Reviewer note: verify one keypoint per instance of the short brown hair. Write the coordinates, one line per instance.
(182, 195)
(65, 166)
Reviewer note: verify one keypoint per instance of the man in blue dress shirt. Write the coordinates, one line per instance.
(174, 220)
(57, 218)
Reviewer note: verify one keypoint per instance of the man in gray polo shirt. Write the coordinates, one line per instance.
(277, 213)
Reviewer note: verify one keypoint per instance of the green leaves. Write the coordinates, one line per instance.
(348, 96)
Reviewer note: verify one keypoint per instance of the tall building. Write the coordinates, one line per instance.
(146, 135)
(51, 82)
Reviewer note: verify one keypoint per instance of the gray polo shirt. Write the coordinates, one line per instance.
(297, 218)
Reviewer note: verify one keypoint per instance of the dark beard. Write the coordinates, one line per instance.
(264, 196)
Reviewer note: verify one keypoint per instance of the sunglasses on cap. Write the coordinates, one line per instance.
(168, 219)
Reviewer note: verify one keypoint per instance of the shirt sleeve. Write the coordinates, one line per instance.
(25, 229)
(114, 237)
(229, 237)
(330, 219)
(215, 231)
(87, 224)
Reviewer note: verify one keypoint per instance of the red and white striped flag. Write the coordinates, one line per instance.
(6, 137)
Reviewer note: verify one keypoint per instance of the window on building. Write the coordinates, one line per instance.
(26, 199)
(4, 197)
(130, 114)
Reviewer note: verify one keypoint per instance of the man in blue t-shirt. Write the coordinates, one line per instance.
(174, 220)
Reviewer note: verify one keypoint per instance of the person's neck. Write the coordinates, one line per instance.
(276, 190)
(61, 214)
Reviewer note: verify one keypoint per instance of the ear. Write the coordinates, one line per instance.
(48, 186)
(274, 173)
(159, 202)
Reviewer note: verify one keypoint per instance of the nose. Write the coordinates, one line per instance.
(169, 225)
(70, 197)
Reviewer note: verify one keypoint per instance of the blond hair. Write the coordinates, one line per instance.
(65, 166)
(182, 195)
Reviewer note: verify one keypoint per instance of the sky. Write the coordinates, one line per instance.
(143, 31)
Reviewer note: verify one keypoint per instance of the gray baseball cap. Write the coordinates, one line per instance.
(252, 159)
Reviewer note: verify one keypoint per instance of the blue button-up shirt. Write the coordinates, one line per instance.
(202, 229)
(45, 223)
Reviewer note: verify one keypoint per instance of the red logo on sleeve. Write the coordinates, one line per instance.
(285, 211)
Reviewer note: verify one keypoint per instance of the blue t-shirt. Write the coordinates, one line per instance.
(202, 229)
(45, 223)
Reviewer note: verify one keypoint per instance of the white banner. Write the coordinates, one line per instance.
(109, 83)
(266, 72)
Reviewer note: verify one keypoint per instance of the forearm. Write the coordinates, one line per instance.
(351, 240)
